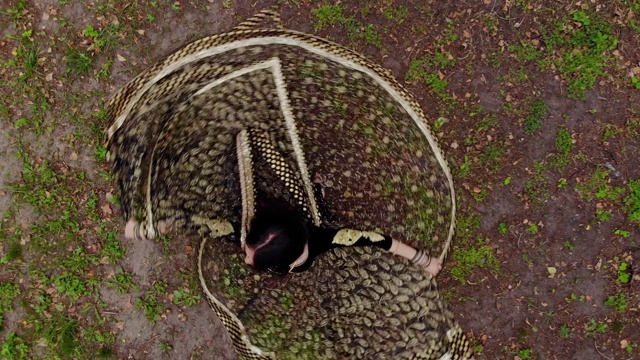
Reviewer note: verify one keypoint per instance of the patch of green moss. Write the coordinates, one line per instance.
(533, 121)
(469, 257)
(598, 187)
(632, 202)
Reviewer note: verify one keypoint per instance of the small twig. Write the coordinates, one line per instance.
(519, 23)
(577, 171)
(569, 6)
(150, 340)
(508, 290)
(497, 305)
(598, 350)
(466, 56)
(518, 237)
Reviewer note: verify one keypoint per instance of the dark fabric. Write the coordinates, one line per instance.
(289, 190)
(321, 241)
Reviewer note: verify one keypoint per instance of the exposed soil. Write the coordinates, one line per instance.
(559, 247)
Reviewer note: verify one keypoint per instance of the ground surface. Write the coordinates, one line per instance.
(537, 104)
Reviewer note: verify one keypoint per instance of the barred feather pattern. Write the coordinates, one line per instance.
(172, 148)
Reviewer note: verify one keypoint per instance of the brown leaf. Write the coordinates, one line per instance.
(106, 208)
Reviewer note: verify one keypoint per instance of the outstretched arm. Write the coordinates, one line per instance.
(432, 265)
(347, 237)
(350, 237)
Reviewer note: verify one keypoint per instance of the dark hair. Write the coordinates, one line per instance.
(278, 238)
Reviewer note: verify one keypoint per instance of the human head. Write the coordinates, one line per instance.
(275, 241)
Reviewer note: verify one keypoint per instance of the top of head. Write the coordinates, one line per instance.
(277, 237)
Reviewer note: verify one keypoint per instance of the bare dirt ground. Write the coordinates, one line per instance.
(537, 104)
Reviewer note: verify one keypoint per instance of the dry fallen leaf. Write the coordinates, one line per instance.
(106, 208)
(598, 265)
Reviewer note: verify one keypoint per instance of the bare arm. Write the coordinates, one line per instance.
(349, 237)
(418, 257)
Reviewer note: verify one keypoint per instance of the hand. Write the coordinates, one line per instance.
(434, 267)
(164, 227)
(131, 229)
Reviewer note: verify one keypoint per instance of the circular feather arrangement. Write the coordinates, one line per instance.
(329, 113)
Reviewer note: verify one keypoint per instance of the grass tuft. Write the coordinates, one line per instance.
(632, 202)
(564, 144)
(333, 15)
(469, 257)
(78, 61)
(618, 302)
(534, 120)
(597, 187)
